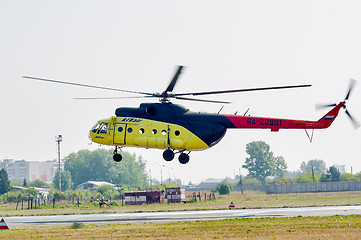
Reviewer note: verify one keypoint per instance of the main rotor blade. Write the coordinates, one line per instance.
(355, 123)
(201, 100)
(240, 90)
(352, 84)
(86, 85)
(105, 98)
(174, 80)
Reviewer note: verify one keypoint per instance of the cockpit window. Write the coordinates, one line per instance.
(103, 128)
(95, 128)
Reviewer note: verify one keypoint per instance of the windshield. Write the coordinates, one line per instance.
(103, 128)
(95, 128)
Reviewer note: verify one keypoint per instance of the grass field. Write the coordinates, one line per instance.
(249, 199)
(336, 227)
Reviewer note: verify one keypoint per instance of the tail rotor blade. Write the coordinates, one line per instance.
(352, 84)
(322, 106)
(355, 123)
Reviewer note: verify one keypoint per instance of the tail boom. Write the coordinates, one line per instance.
(275, 124)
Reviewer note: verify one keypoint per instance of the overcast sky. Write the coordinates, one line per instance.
(135, 45)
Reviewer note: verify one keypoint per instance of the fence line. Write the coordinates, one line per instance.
(305, 187)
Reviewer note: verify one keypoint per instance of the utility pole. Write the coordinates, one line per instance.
(240, 181)
(173, 175)
(170, 180)
(58, 139)
(313, 174)
(150, 177)
(161, 174)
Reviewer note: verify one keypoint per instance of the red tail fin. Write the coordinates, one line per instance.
(331, 115)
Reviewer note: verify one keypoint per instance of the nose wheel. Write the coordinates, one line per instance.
(116, 156)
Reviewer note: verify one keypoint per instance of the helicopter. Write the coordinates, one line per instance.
(177, 130)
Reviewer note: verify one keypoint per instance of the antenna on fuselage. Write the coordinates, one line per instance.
(246, 112)
(220, 110)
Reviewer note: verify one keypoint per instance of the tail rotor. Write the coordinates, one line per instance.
(356, 124)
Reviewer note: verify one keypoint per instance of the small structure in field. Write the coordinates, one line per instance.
(43, 192)
(143, 197)
(175, 195)
(92, 185)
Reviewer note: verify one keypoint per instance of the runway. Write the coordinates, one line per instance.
(181, 216)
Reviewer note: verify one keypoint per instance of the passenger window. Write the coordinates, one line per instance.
(164, 132)
(154, 131)
(141, 131)
(119, 127)
(177, 133)
(130, 130)
(103, 129)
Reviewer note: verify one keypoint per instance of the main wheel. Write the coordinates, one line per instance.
(183, 158)
(117, 157)
(168, 155)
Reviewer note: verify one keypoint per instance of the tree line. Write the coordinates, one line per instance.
(88, 165)
(263, 167)
(98, 165)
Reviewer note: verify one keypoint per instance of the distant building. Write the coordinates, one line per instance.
(143, 197)
(175, 195)
(31, 170)
(340, 168)
(43, 192)
(92, 185)
(210, 183)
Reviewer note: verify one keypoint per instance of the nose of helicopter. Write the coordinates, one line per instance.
(92, 132)
(90, 135)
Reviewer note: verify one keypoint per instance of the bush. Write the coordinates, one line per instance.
(348, 177)
(77, 225)
(163, 186)
(332, 175)
(37, 183)
(113, 203)
(97, 195)
(58, 195)
(284, 180)
(14, 196)
(156, 187)
(323, 178)
(105, 188)
(251, 182)
(30, 192)
(358, 176)
(224, 188)
(306, 178)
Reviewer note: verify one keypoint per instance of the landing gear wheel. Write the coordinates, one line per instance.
(168, 155)
(117, 157)
(183, 158)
